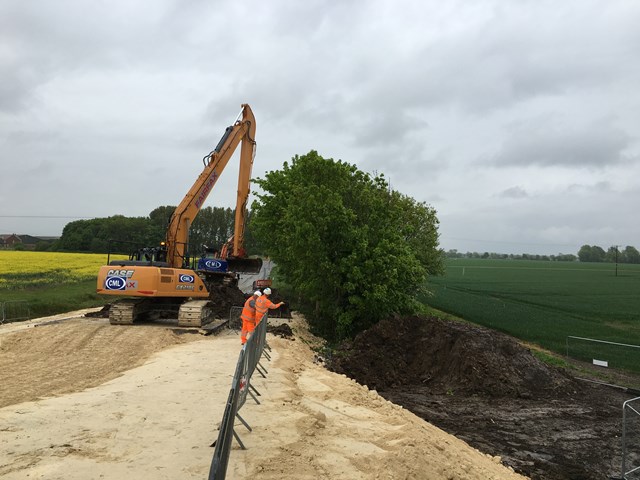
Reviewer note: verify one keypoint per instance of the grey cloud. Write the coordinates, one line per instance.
(417, 90)
(598, 187)
(514, 192)
(596, 145)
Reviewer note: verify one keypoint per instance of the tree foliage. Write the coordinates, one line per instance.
(630, 255)
(94, 235)
(212, 227)
(353, 251)
(594, 253)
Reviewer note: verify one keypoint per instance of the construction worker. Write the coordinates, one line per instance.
(263, 304)
(248, 316)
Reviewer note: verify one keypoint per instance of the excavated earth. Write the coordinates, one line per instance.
(487, 389)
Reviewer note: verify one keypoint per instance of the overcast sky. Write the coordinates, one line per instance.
(517, 120)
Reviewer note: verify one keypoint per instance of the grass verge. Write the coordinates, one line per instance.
(53, 300)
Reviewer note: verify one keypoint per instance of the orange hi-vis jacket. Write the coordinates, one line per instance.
(262, 305)
(248, 317)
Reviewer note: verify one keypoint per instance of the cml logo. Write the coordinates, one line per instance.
(115, 283)
(213, 264)
(186, 278)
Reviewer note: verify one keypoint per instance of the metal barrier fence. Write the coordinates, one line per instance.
(248, 362)
(604, 353)
(12, 311)
(235, 322)
(630, 454)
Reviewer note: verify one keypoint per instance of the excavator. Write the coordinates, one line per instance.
(166, 277)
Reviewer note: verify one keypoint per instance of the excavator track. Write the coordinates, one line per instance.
(194, 313)
(125, 311)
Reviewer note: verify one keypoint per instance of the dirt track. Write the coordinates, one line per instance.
(54, 359)
(157, 420)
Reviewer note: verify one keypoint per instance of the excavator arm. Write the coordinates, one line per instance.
(242, 131)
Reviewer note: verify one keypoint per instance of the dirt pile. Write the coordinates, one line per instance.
(485, 388)
(102, 313)
(224, 297)
(282, 331)
(447, 357)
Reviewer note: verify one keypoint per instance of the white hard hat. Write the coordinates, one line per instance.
(267, 291)
(257, 293)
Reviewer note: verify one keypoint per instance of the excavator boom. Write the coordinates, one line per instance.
(243, 131)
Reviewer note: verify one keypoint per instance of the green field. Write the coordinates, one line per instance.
(546, 302)
(46, 283)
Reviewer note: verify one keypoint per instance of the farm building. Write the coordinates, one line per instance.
(9, 241)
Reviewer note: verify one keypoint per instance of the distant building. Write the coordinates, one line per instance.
(9, 241)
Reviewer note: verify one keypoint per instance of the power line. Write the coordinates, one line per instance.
(41, 216)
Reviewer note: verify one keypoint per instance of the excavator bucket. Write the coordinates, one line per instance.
(245, 265)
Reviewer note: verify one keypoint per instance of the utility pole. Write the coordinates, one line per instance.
(616, 247)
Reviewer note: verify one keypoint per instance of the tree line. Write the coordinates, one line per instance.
(594, 253)
(587, 253)
(212, 227)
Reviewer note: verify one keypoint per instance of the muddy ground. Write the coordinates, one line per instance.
(487, 389)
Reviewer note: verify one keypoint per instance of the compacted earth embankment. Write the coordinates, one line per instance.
(84, 399)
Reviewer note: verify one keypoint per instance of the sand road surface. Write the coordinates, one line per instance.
(81, 399)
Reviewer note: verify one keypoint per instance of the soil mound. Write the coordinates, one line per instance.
(446, 357)
(283, 331)
(224, 297)
(103, 313)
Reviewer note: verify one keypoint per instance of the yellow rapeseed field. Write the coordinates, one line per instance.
(20, 269)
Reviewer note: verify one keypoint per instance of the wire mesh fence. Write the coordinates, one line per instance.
(248, 362)
(631, 439)
(13, 311)
(235, 322)
(604, 353)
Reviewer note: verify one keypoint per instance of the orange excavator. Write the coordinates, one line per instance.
(166, 277)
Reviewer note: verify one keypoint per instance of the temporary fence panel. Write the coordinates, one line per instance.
(631, 438)
(16, 310)
(240, 386)
(254, 347)
(235, 322)
(604, 353)
(220, 460)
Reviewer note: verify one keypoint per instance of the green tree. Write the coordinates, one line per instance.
(631, 254)
(588, 253)
(93, 235)
(613, 255)
(212, 227)
(159, 218)
(353, 251)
